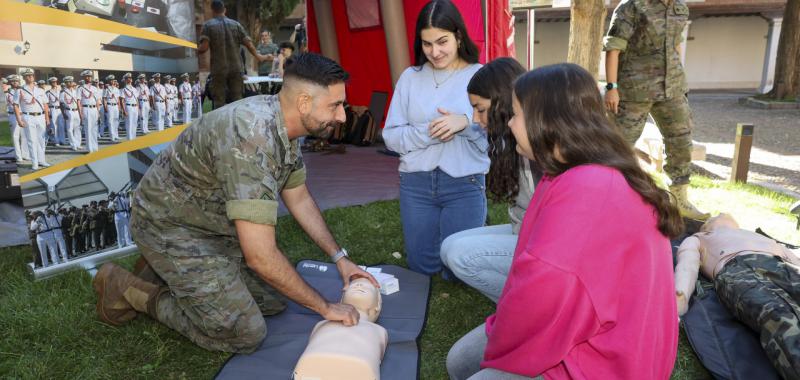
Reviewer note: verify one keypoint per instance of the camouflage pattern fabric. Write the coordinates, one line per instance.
(230, 164)
(764, 293)
(674, 120)
(648, 34)
(225, 36)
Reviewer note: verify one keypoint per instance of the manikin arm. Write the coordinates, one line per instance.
(686, 272)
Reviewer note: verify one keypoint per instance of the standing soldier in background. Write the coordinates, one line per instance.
(268, 49)
(172, 93)
(197, 97)
(17, 133)
(121, 208)
(56, 116)
(130, 105)
(46, 134)
(159, 93)
(145, 102)
(66, 230)
(92, 222)
(56, 221)
(44, 239)
(100, 220)
(642, 51)
(111, 105)
(102, 122)
(185, 95)
(88, 104)
(78, 223)
(223, 37)
(33, 116)
(69, 98)
(109, 235)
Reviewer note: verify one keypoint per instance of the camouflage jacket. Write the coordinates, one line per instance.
(225, 37)
(648, 34)
(230, 164)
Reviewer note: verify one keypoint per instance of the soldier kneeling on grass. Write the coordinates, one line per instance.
(203, 218)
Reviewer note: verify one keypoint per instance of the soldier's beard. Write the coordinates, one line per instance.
(319, 129)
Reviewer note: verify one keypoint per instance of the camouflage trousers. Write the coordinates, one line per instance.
(214, 299)
(674, 120)
(764, 293)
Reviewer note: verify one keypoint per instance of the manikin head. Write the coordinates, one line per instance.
(365, 297)
(721, 220)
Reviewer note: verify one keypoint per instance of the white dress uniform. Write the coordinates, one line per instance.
(20, 142)
(31, 101)
(111, 96)
(88, 95)
(197, 99)
(101, 113)
(54, 221)
(130, 98)
(45, 241)
(186, 98)
(57, 120)
(172, 99)
(144, 107)
(122, 214)
(159, 105)
(69, 98)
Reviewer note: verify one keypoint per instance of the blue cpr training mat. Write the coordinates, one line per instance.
(403, 316)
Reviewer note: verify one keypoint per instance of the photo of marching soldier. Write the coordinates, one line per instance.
(54, 115)
(82, 213)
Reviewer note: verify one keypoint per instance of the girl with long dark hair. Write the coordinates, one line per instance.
(590, 291)
(442, 153)
(482, 256)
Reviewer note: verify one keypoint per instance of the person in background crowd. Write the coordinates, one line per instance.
(18, 139)
(33, 116)
(112, 106)
(145, 103)
(57, 119)
(89, 98)
(286, 50)
(69, 100)
(185, 95)
(197, 97)
(268, 49)
(130, 110)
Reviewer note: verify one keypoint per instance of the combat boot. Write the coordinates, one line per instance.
(686, 208)
(143, 270)
(120, 294)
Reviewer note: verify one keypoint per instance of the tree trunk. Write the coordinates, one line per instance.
(787, 66)
(586, 26)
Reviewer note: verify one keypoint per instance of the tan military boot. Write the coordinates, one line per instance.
(120, 294)
(143, 270)
(686, 208)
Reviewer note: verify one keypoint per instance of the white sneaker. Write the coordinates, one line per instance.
(44, 164)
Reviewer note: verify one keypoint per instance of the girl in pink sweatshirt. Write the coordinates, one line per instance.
(590, 291)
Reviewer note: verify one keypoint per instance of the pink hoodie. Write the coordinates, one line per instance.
(590, 294)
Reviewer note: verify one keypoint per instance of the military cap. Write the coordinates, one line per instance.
(41, 82)
(156, 75)
(52, 79)
(110, 78)
(185, 75)
(171, 79)
(86, 73)
(127, 75)
(13, 77)
(26, 71)
(141, 76)
(68, 78)
(167, 77)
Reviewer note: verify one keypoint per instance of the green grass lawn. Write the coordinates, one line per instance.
(5, 134)
(50, 330)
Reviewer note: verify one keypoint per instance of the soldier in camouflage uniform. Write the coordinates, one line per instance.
(642, 50)
(756, 278)
(203, 218)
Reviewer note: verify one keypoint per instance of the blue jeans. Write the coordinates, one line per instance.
(481, 257)
(433, 206)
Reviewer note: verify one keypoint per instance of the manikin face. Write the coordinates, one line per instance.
(440, 47)
(517, 125)
(720, 221)
(480, 110)
(325, 111)
(365, 297)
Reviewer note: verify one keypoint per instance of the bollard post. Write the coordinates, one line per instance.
(741, 154)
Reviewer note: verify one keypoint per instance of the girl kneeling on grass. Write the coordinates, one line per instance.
(482, 256)
(589, 293)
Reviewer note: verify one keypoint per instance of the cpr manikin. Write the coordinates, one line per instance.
(338, 352)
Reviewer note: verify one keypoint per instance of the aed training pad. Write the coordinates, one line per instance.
(403, 316)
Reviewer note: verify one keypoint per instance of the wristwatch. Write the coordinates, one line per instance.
(339, 255)
(611, 86)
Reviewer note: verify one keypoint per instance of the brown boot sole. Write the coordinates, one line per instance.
(99, 283)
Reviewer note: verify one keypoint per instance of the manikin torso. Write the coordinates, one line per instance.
(339, 352)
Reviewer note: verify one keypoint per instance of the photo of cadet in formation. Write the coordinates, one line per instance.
(67, 233)
(57, 116)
